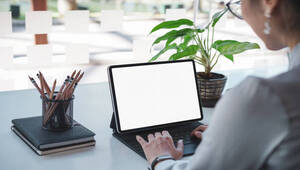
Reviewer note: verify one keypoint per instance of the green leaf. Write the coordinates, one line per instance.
(166, 36)
(172, 35)
(190, 50)
(230, 57)
(199, 30)
(172, 24)
(172, 46)
(217, 16)
(230, 47)
(186, 40)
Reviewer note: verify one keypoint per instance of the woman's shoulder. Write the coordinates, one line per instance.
(287, 87)
(282, 85)
(252, 95)
(250, 87)
(281, 91)
(287, 78)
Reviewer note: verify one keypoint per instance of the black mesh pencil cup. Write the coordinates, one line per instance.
(57, 114)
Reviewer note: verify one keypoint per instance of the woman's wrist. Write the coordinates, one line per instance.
(159, 159)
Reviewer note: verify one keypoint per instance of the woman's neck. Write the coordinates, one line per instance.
(292, 43)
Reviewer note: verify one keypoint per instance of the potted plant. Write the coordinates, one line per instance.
(199, 44)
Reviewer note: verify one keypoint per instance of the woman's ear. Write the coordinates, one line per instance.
(269, 6)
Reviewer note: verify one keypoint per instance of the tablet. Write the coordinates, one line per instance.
(150, 95)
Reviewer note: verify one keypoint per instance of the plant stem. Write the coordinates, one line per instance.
(212, 39)
(202, 49)
(216, 61)
(205, 52)
(207, 40)
(212, 59)
(198, 62)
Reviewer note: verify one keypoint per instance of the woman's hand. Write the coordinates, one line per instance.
(197, 132)
(160, 144)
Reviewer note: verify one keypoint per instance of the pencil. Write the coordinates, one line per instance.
(47, 88)
(70, 85)
(41, 83)
(78, 73)
(70, 89)
(80, 77)
(36, 86)
(59, 96)
(63, 86)
(75, 85)
(74, 72)
(53, 88)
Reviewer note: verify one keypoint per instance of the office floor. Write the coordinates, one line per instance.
(108, 48)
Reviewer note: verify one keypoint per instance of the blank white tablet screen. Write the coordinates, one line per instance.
(157, 94)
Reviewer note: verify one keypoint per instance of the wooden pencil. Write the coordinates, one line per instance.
(50, 97)
(47, 88)
(72, 75)
(41, 83)
(80, 77)
(53, 88)
(75, 85)
(36, 86)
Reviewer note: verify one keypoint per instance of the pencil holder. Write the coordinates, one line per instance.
(57, 114)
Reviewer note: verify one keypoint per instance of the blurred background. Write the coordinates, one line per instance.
(129, 44)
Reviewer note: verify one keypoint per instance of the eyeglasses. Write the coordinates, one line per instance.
(234, 6)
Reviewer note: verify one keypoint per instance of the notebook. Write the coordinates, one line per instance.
(46, 142)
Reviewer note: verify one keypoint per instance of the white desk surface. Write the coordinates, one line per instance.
(93, 109)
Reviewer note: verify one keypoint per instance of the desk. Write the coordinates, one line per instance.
(92, 108)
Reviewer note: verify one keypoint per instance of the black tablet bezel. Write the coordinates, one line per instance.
(114, 101)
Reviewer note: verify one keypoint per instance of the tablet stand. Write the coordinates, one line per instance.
(113, 123)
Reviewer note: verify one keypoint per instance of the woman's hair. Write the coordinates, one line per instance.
(288, 14)
(289, 10)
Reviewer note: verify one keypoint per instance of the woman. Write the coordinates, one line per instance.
(257, 124)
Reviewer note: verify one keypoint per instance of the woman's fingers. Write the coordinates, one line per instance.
(198, 131)
(200, 128)
(150, 137)
(141, 141)
(160, 143)
(198, 134)
(167, 135)
(157, 134)
(180, 146)
(177, 151)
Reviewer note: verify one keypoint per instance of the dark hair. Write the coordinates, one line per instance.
(288, 14)
(289, 11)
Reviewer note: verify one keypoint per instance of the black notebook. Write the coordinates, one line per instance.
(46, 142)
